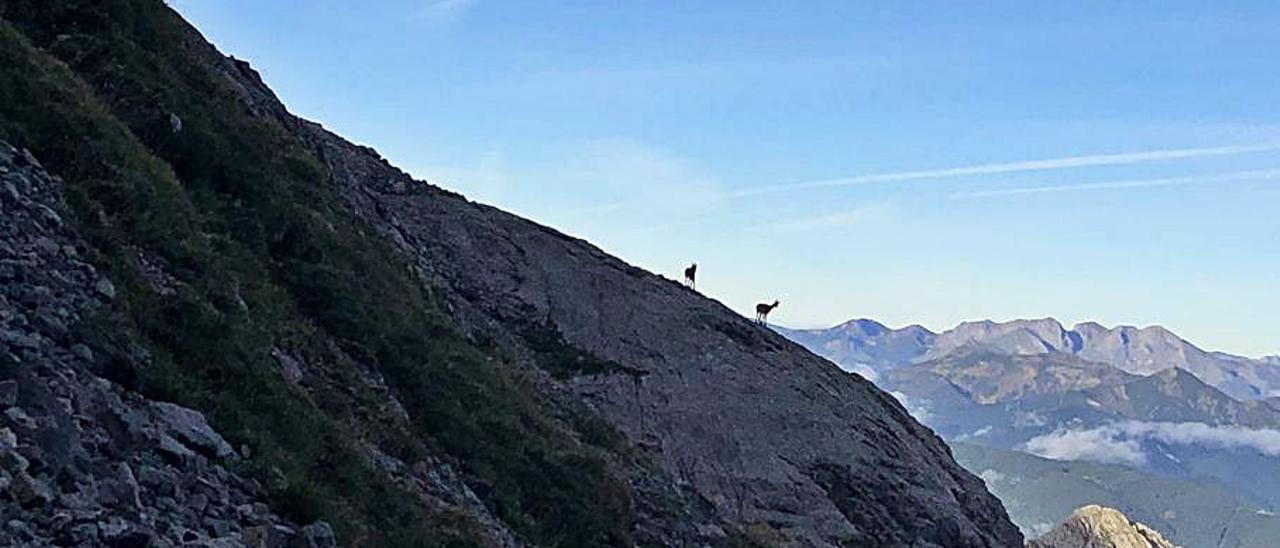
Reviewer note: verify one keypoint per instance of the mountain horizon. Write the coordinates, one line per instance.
(878, 325)
(823, 172)
(1009, 395)
(868, 346)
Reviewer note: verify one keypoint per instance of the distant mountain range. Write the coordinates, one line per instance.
(870, 348)
(1075, 390)
(1061, 406)
(1144, 399)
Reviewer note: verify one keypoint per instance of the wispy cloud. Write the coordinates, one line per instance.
(1122, 442)
(863, 370)
(1069, 162)
(919, 409)
(991, 477)
(1252, 175)
(979, 433)
(439, 12)
(845, 218)
(835, 220)
(1263, 440)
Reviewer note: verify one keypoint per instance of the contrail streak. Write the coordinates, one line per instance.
(1260, 174)
(1124, 158)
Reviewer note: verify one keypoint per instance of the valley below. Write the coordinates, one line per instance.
(1184, 440)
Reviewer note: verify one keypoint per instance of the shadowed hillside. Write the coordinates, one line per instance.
(380, 356)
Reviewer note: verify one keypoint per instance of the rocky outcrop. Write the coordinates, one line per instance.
(776, 438)
(781, 442)
(84, 462)
(702, 427)
(1096, 526)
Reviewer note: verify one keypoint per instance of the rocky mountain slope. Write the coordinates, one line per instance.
(377, 356)
(1095, 526)
(83, 462)
(1139, 351)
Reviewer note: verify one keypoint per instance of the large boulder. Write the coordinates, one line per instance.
(1096, 526)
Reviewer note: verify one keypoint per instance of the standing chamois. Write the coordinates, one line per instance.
(763, 310)
(690, 273)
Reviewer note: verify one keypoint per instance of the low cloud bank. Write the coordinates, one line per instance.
(917, 408)
(981, 432)
(865, 371)
(1103, 444)
(1265, 441)
(991, 477)
(1121, 442)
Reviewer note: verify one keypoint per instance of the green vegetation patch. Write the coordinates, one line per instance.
(263, 255)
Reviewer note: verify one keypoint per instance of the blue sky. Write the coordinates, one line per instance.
(912, 162)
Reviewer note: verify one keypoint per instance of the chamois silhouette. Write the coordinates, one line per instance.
(690, 273)
(763, 310)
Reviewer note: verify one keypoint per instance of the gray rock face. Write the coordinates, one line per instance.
(84, 462)
(775, 440)
(781, 442)
(772, 435)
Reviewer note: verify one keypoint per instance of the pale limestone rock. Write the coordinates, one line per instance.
(1096, 526)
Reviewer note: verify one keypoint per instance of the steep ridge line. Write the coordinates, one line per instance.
(743, 415)
(774, 440)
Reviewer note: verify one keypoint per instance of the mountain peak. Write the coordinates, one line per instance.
(1095, 526)
(1089, 327)
(863, 326)
(1176, 381)
(1016, 323)
(1034, 336)
(1044, 325)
